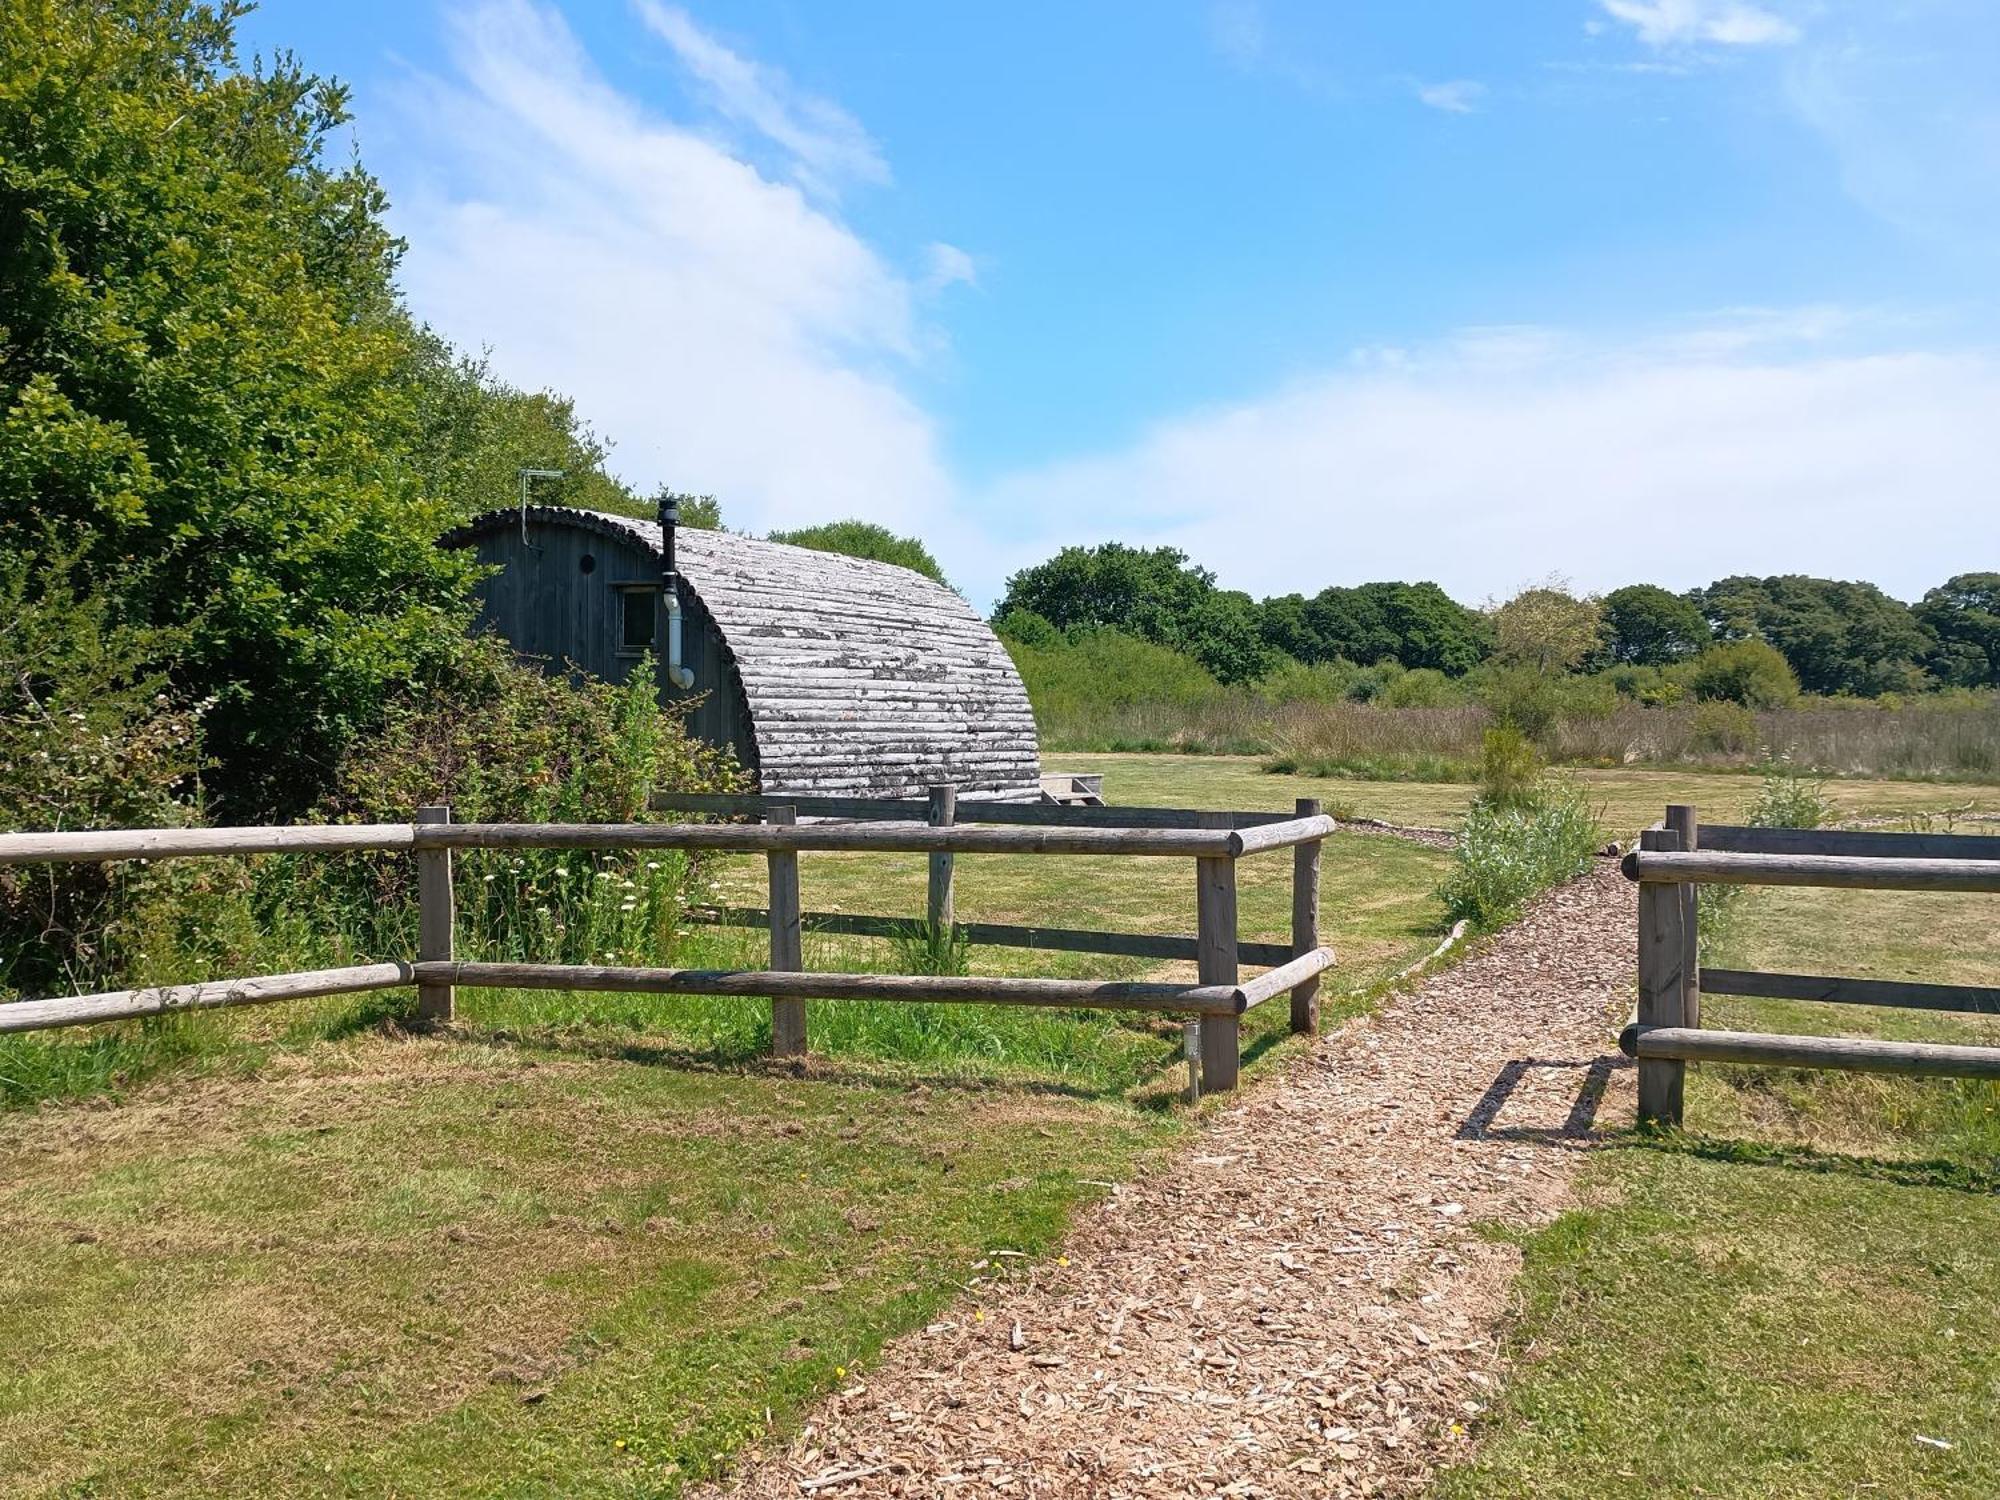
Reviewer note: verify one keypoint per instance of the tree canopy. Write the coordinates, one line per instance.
(1963, 613)
(1839, 637)
(866, 540)
(1646, 626)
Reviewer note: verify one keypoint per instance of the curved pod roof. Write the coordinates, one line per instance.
(861, 678)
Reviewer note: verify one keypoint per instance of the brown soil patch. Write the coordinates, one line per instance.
(1299, 1305)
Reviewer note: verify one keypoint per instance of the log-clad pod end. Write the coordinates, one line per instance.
(1628, 1039)
(1628, 864)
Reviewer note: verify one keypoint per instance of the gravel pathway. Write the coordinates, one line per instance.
(1300, 1303)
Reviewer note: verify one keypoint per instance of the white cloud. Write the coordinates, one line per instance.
(947, 265)
(727, 333)
(1497, 456)
(1461, 96)
(825, 142)
(1679, 23)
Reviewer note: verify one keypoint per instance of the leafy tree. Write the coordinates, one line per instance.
(1646, 626)
(1752, 673)
(203, 365)
(867, 540)
(1413, 624)
(1547, 628)
(1839, 637)
(1964, 614)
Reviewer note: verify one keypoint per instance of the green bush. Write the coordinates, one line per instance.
(1751, 673)
(500, 742)
(1420, 687)
(1505, 855)
(1510, 771)
(1724, 728)
(88, 739)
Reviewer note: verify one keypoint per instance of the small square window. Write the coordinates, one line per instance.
(641, 620)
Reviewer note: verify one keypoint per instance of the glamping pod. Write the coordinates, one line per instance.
(827, 674)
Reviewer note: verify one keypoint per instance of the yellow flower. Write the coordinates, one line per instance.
(1062, 1260)
(840, 1372)
(619, 1445)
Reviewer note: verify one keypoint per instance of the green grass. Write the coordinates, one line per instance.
(1631, 798)
(1780, 1300)
(442, 1268)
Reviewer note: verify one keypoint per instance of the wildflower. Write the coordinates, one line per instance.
(604, 875)
(652, 864)
(1062, 1260)
(840, 1372)
(541, 911)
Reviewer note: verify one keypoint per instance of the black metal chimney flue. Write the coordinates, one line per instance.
(670, 520)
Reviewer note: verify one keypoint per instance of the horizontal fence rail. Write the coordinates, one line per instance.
(1848, 1054)
(1213, 840)
(1838, 871)
(970, 810)
(1677, 858)
(1723, 838)
(214, 994)
(1830, 990)
(725, 838)
(1000, 934)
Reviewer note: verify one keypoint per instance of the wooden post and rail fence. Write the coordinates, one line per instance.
(1672, 863)
(940, 827)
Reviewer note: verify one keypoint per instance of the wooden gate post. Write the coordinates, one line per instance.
(1682, 820)
(1215, 950)
(939, 909)
(1662, 960)
(788, 1017)
(434, 918)
(1305, 920)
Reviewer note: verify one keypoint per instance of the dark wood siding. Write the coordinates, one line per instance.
(549, 609)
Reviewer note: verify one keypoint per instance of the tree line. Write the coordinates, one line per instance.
(1834, 637)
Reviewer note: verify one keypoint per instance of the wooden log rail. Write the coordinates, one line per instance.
(1215, 841)
(1671, 864)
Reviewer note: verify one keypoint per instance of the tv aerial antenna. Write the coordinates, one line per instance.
(528, 477)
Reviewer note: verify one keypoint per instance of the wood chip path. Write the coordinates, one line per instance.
(1300, 1303)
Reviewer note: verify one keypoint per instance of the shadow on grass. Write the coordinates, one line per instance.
(1934, 1172)
(752, 1058)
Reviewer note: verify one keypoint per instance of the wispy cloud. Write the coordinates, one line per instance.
(1681, 23)
(727, 331)
(827, 144)
(1461, 96)
(947, 265)
(1237, 29)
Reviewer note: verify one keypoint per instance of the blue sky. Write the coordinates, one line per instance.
(1614, 289)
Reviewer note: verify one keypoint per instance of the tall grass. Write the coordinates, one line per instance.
(1945, 740)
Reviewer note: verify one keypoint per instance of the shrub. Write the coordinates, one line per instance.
(88, 739)
(1788, 797)
(500, 742)
(1725, 728)
(1505, 855)
(1509, 769)
(1525, 698)
(1751, 673)
(1420, 687)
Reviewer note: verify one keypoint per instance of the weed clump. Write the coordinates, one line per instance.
(1525, 832)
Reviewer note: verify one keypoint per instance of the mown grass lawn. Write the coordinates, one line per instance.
(1799, 1295)
(1632, 799)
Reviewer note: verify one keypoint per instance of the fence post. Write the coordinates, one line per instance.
(434, 918)
(1215, 949)
(788, 1017)
(1662, 958)
(939, 910)
(1682, 820)
(1305, 921)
